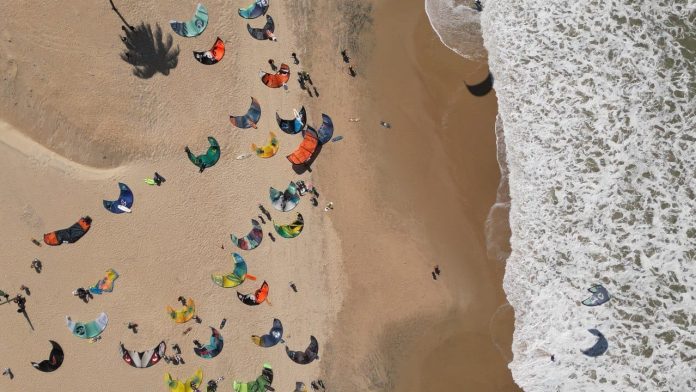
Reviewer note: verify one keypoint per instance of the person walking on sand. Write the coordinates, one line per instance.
(294, 58)
(437, 269)
(182, 300)
(7, 372)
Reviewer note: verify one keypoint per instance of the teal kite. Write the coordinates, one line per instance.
(209, 159)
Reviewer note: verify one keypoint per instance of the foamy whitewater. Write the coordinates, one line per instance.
(597, 98)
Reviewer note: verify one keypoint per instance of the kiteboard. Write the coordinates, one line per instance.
(124, 208)
(243, 156)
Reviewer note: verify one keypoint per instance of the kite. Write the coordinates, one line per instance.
(269, 149)
(292, 230)
(252, 240)
(209, 159)
(124, 201)
(274, 337)
(212, 56)
(261, 384)
(191, 384)
(287, 200)
(263, 33)
(212, 349)
(308, 355)
(143, 359)
(55, 359)
(326, 129)
(194, 26)
(279, 79)
(258, 8)
(483, 88)
(184, 314)
(254, 299)
(69, 235)
(236, 277)
(599, 296)
(304, 151)
(106, 284)
(88, 330)
(295, 125)
(250, 119)
(600, 347)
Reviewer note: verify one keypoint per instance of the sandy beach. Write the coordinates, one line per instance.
(75, 120)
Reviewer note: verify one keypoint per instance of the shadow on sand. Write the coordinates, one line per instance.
(148, 51)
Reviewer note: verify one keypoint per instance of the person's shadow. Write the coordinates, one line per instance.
(148, 51)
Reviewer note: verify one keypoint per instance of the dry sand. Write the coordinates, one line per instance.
(406, 198)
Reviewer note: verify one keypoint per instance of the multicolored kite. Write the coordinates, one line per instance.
(279, 79)
(250, 119)
(599, 296)
(194, 26)
(263, 33)
(143, 359)
(269, 149)
(55, 359)
(258, 297)
(287, 200)
(326, 129)
(90, 329)
(252, 240)
(261, 384)
(69, 235)
(308, 355)
(306, 149)
(209, 159)
(106, 284)
(258, 8)
(212, 56)
(273, 337)
(124, 201)
(292, 230)
(190, 385)
(236, 277)
(295, 125)
(212, 349)
(184, 314)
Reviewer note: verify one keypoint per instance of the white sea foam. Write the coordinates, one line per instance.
(597, 98)
(457, 25)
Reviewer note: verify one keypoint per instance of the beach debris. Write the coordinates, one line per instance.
(256, 9)
(287, 200)
(262, 382)
(250, 119)
(186, 313)
(194, 26)
(54, 361)
(209, 159)
(274, 336)
(294, 125)
(290, 230)
(251, 240)
(599, 296)
(385, 124)
(264, 33)
(270, 149)
(212, 56)
(105, 284)
(143, 359)
(90, 329)
(329, 206)
(600, 346)
(236, 277)
(278, 79)
(213, 348)
(354, 119)
(482, 88)
(191, 384)
(303, 153)
(308, 355)
(35, 242)
(69, 235)
(253, 299)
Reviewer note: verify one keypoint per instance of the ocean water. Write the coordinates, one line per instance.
(598, 103)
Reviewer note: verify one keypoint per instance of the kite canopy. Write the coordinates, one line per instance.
(184, 314)
(326, 129)
(250, 119)
(212, 56)
(88, 330)
(292, 230)
(69, 235)
(261, 384)
(483, 88)
(287, 200)
(191, 384)
(308, 355)
(124, 201)
(269, 149)
(143, 359)
(304, 151)
(236, 277)
(600, 347)
(295, 125)
(599, 296)
(194, 26)
(210, 158)
(258, 8)
(254, 299)
(279, 79)
(252, 240)
(106, 284)
(274, 337)
(263, 33)
(55, 359)
(212, 349)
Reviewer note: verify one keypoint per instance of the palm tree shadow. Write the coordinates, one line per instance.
(148, 52)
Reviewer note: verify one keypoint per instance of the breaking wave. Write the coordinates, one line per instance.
(597, 99)
(457, 25)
